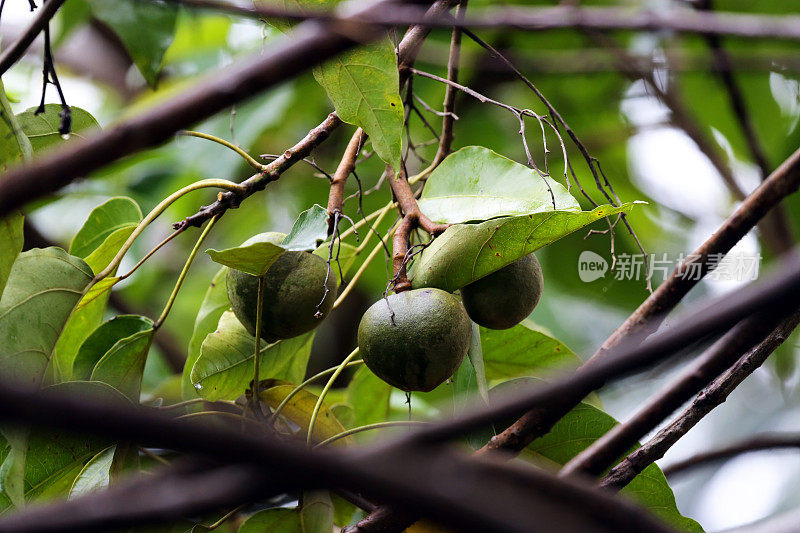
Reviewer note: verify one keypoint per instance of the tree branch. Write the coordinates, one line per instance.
(780, 184)
(37, 25)
(605, 451)
(448, 116)
(715, 394)
(755, 444)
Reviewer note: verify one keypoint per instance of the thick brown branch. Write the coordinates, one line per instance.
(715, 394)
(346, 166)
(605, 451)
(780, 184)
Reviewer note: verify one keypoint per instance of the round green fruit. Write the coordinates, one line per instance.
(504, 298)
(293, 287)
(416, 339)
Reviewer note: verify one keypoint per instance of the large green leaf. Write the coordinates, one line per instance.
(363, 85)
(467, 252)
(525, 349)
(316, 514)
(119, 347)
(476, 184)
(579, 429)
(42, 129)
(369, 395)
(225, 366)
(44, 287)
(215, 302)
(145, 28)
(310, 229)
(54, 459)
(115, 214)
(11, 241)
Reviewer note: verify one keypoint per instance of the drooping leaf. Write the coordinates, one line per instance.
(11, 242)
(115, 214)
(44, 287)
(579, 429)
(369, 395)
(477, 184)
(95, 474)
(254, 258)
(215, 302)
(225, 366)
(467, 252)
(475, 356)
(469, 383)
(122, 364)
(42, 129)
(54, 459)
(145, 28)
(275, 520)
(104, 339)
(363, 85)
(299, 410)
(524, 350)
(310, 228)
(316, 514)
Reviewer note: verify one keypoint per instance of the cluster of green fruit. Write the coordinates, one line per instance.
(413, 340)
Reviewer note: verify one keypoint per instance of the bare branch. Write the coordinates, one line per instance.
(714, 395)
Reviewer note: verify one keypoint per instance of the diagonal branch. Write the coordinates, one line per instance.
(605, 451)
(713, 395)
(17, 49)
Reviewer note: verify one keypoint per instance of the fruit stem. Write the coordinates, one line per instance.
(307, 382)
(324, 392)
(368, 427)
(247, 157)
(256, 358)
(184, 272)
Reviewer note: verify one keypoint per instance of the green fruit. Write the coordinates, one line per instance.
(504, 298)
(416, 339)
(293, 288)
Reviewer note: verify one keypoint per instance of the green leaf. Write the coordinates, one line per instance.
(299, 410)
(578, 430)
(85, 318)
(103, 339)
(310, 229)
(14, 145)
(95, 475)
(115, 214)
(363, 85)
(145, 28)
(121, 365)
(477, 184)
(254, 258)
(525, 349)
(467, 252)
(316, 514)
(215, 302)
(475, 355)
(369, 395)
(44, 287)
(42, 129)
(11, 241)
(54, 459)
(225, 366)
(275, 520)
(469, 382)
